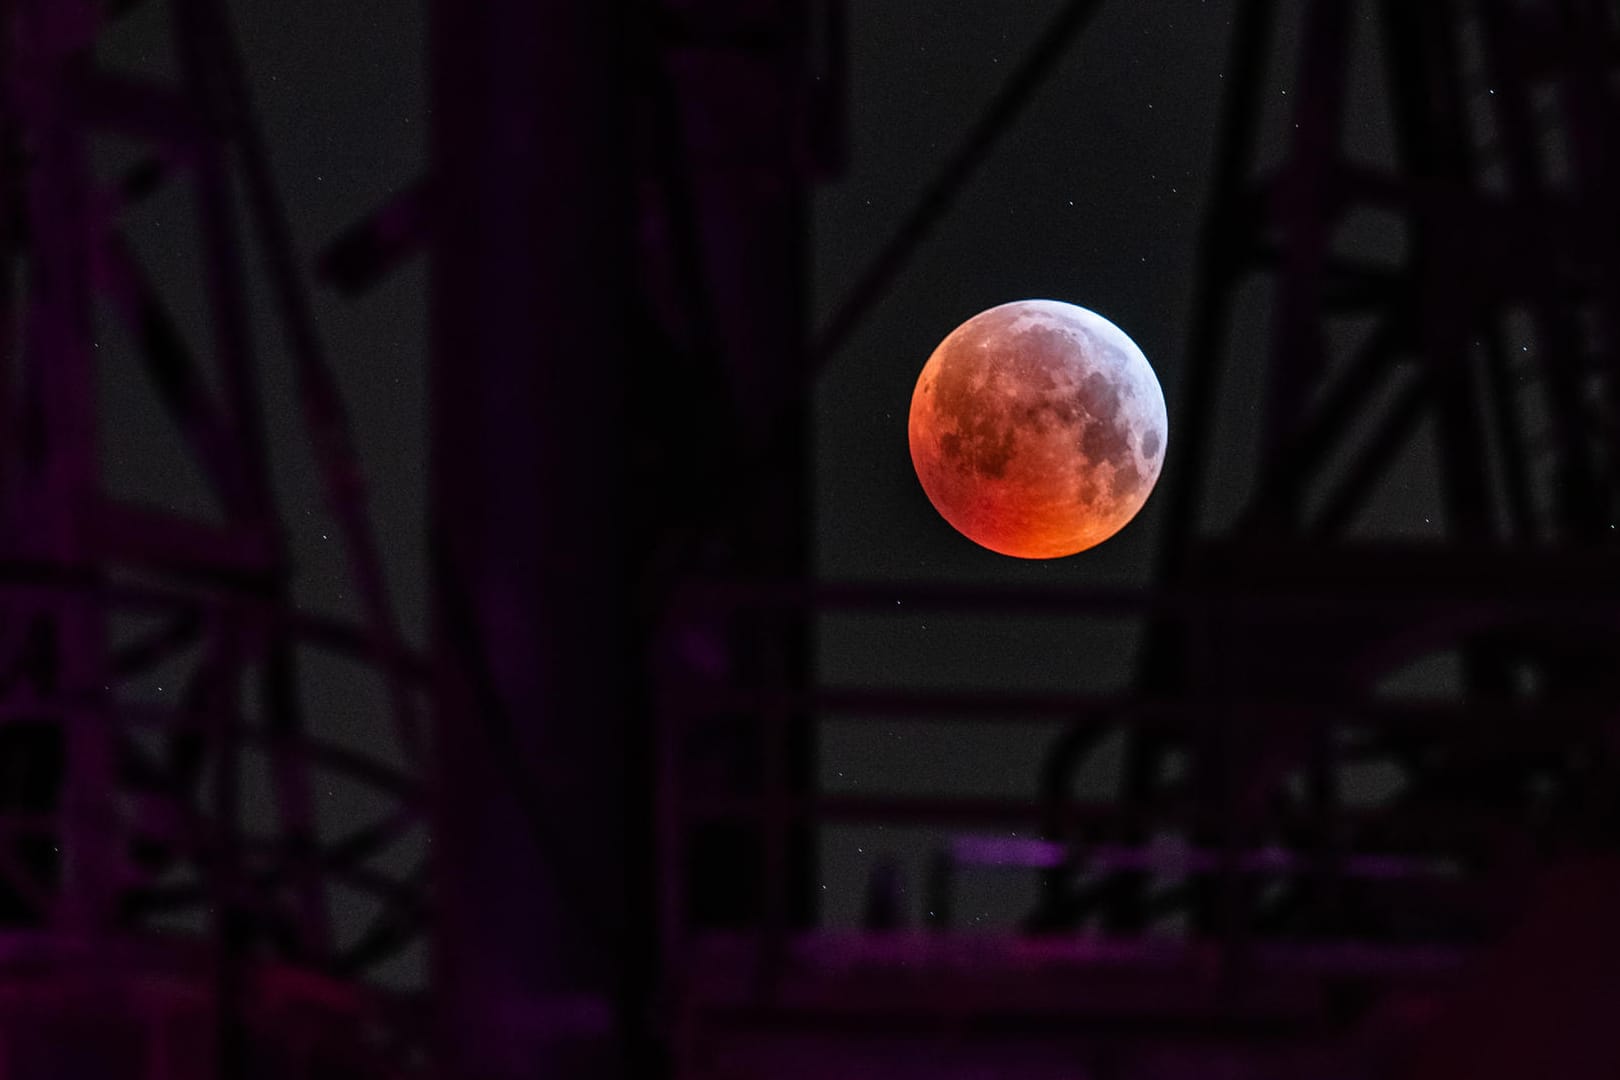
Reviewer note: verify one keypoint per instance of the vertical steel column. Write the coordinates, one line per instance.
(60, 444)
(531, 285)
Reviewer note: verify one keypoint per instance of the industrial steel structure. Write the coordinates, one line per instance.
(620, 782)
(1247, 901)
(161, 769)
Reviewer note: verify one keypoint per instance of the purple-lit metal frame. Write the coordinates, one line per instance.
(1297, 911)
(147, 806)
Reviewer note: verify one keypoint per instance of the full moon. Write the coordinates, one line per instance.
(1038, 429)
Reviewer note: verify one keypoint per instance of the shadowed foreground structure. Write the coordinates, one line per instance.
(1242, 905)
(621, 785)
(168, 886)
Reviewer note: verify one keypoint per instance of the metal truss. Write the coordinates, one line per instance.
(1238, 896)
(1489, 317)
(127, 811)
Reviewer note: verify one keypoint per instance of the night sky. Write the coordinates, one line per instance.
(341, 95)
(342, 98)
(1094, 197)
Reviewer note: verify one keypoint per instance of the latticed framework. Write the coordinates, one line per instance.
(165, 765)
(1366, 711)
(1441, 313)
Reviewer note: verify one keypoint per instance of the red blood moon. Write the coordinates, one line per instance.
(1038, 429)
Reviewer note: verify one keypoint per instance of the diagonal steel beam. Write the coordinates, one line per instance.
(1020, 88)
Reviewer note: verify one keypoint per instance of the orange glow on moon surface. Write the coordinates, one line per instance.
(1038, 429)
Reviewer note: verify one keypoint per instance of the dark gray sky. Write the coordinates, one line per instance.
(340, 90)
(341, 96)
(1094, 197)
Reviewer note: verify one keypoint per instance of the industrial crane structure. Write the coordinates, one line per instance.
(619, 779)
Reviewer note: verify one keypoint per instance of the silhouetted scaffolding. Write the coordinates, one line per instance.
(1242, 900)
(169, 881)
(626, 719)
